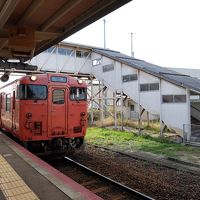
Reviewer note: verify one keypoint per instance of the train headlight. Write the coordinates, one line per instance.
(28, 115)
(33, 78)
(80, 81)
(82, 114)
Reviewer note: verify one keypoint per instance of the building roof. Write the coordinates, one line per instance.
(174, 77)
(189, 71)
(28, 27)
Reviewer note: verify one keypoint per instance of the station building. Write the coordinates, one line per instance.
(171, 96)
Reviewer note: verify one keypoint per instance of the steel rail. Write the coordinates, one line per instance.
(137, 194)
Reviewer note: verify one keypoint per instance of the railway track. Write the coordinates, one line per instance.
(99, 184)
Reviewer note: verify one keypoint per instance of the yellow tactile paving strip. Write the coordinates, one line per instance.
(12, 185)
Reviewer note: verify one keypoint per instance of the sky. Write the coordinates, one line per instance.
(165, 32)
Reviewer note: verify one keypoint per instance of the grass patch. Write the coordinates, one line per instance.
(123, 140)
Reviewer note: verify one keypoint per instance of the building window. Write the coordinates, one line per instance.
(82, 54)
(97, 61)
(8, 103)
(130, 77)
(107, 68)
(78, 54)
(149, 87)
(144, 87)
(132, 107)
(58, 96)
(154, 86)
(70, 52)
(167, 98)
(173, 98)
(51, 50)
(179, 98)
(62, 51)
(85, 54)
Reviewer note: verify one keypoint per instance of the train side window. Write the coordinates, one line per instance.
(17, 92)
(73, 92)
(8, 103)
(13, 100)
(58, 96)
(78, 94)
(32, 92)
(82, 93)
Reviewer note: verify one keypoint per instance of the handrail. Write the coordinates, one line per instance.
(195, 108)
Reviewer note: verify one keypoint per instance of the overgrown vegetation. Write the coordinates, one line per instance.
(109, 121)
(130, 141)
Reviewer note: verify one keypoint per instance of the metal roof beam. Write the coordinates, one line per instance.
(17, 66)
(2, 2)
(30, 11)
(60, 13)
(7, 10)
(5, 52)
(90, 12)
(4, 34)
(69, 28)
(3, 44)
(39, 35)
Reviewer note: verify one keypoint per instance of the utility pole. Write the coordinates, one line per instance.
(104, 30)
(132, 53)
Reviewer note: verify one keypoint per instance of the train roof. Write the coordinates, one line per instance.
(73, 81)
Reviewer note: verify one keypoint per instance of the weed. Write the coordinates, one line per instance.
(132, 141)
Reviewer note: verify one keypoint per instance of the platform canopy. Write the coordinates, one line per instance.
(28, 27)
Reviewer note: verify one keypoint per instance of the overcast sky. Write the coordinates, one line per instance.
(165, 32)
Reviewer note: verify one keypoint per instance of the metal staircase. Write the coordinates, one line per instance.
(125, 75)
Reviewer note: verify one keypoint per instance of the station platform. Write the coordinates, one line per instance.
(23, 176)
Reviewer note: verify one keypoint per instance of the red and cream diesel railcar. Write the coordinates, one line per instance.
(46, 112)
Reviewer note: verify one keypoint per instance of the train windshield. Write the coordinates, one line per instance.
(78, 94)
(32, 92)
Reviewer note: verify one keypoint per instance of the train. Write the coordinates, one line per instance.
(47, 113)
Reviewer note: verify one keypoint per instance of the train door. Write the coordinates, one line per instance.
(0, 107)
(13, 111)
(77, 110)
(57, 111)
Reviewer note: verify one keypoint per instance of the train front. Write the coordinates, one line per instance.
(53, 113)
